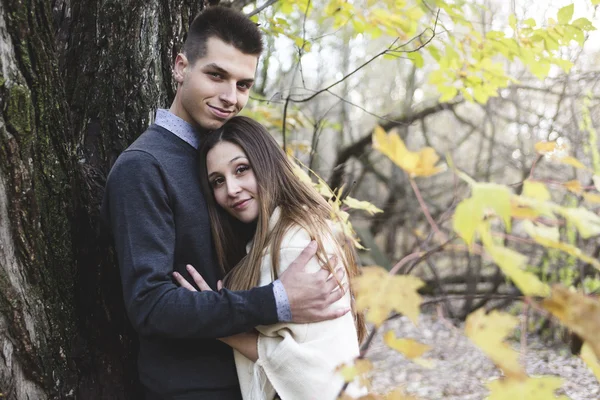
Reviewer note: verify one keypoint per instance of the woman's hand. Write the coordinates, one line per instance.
(246, 342)
(200, 282)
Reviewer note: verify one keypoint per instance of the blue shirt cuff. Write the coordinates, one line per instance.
(284, 312)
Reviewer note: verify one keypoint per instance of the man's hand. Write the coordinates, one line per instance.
(310, 294)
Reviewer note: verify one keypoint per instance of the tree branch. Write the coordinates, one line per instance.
(357, 148)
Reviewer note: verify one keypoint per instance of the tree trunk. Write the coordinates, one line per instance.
(79, 81)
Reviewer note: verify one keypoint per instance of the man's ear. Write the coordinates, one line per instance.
(180, 67)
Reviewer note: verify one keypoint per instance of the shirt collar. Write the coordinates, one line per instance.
(177, 126)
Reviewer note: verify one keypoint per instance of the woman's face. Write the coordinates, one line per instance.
(233, 181)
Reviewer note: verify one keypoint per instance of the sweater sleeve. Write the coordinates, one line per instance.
(137, 207)
(299, 360)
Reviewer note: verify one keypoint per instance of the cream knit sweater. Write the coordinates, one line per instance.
(298, 361)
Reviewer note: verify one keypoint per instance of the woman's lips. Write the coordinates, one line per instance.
(239, 206)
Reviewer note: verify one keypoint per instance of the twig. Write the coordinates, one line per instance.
(259, 9)
(524, 324)
(426, 211)
(390, 49)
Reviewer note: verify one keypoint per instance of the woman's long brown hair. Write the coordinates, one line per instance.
(277, 186)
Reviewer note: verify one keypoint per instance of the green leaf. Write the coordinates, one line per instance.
(540, 69)
(583, 24)
(512, 21)
(530, 22)
(358, 24)
(448, 93)
(417, 59)
(565, 14)
(434, 52)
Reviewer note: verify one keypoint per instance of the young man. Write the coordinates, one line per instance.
(160, 224)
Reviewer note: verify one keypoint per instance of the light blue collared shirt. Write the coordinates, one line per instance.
(186, 132)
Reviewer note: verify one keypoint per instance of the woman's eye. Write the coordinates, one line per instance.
(217, 182)
(242, 169)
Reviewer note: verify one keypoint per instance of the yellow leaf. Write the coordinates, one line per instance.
(588, 356)
(466, 219)
(409, 348)
(592, 197)
(578, 312)
(548, 236)
(542, 231)
(523, 212)
(530, 388)
(341, 219)
(488, 333)
(536, 190)
(545, 147)
(415, 164)
(495, 197)
(380, 293)
(470, 212)
(359, 369)
(586, 222)
(361, 205)
(574, 186)
(572, 161)
(512, 264)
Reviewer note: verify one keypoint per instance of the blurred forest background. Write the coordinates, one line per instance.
(479, 81)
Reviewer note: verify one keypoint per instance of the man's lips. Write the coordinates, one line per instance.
(240, 205)
(220, 112)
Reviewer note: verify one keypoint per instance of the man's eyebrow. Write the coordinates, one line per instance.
(217, 68)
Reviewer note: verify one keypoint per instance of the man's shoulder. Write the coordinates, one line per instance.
(150, 141)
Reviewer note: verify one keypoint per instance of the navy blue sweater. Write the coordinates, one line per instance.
(159, 222)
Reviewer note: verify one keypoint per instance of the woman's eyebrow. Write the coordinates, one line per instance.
(236, 158)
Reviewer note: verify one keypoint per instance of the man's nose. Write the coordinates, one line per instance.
(229, 93)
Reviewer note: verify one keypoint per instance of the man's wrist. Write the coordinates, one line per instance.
(284, 311)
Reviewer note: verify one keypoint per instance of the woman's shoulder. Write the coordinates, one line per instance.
(297, 236)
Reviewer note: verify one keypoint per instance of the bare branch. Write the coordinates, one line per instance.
(259, 9)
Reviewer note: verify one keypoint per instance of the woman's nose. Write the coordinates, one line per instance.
(233, 188)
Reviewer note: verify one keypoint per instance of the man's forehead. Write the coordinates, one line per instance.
(228, 58)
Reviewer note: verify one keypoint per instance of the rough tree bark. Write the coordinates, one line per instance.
(79, 81)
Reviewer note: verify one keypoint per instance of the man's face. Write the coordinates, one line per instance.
(216, 87)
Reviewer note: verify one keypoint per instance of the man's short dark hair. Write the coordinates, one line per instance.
(231, 26)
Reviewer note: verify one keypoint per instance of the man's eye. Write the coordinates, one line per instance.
(244, 86)
(215, 75)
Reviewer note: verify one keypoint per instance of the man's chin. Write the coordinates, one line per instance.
(212, 125)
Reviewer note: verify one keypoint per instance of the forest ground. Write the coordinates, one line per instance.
(461, 369)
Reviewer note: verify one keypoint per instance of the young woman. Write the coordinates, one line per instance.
(262, 217)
